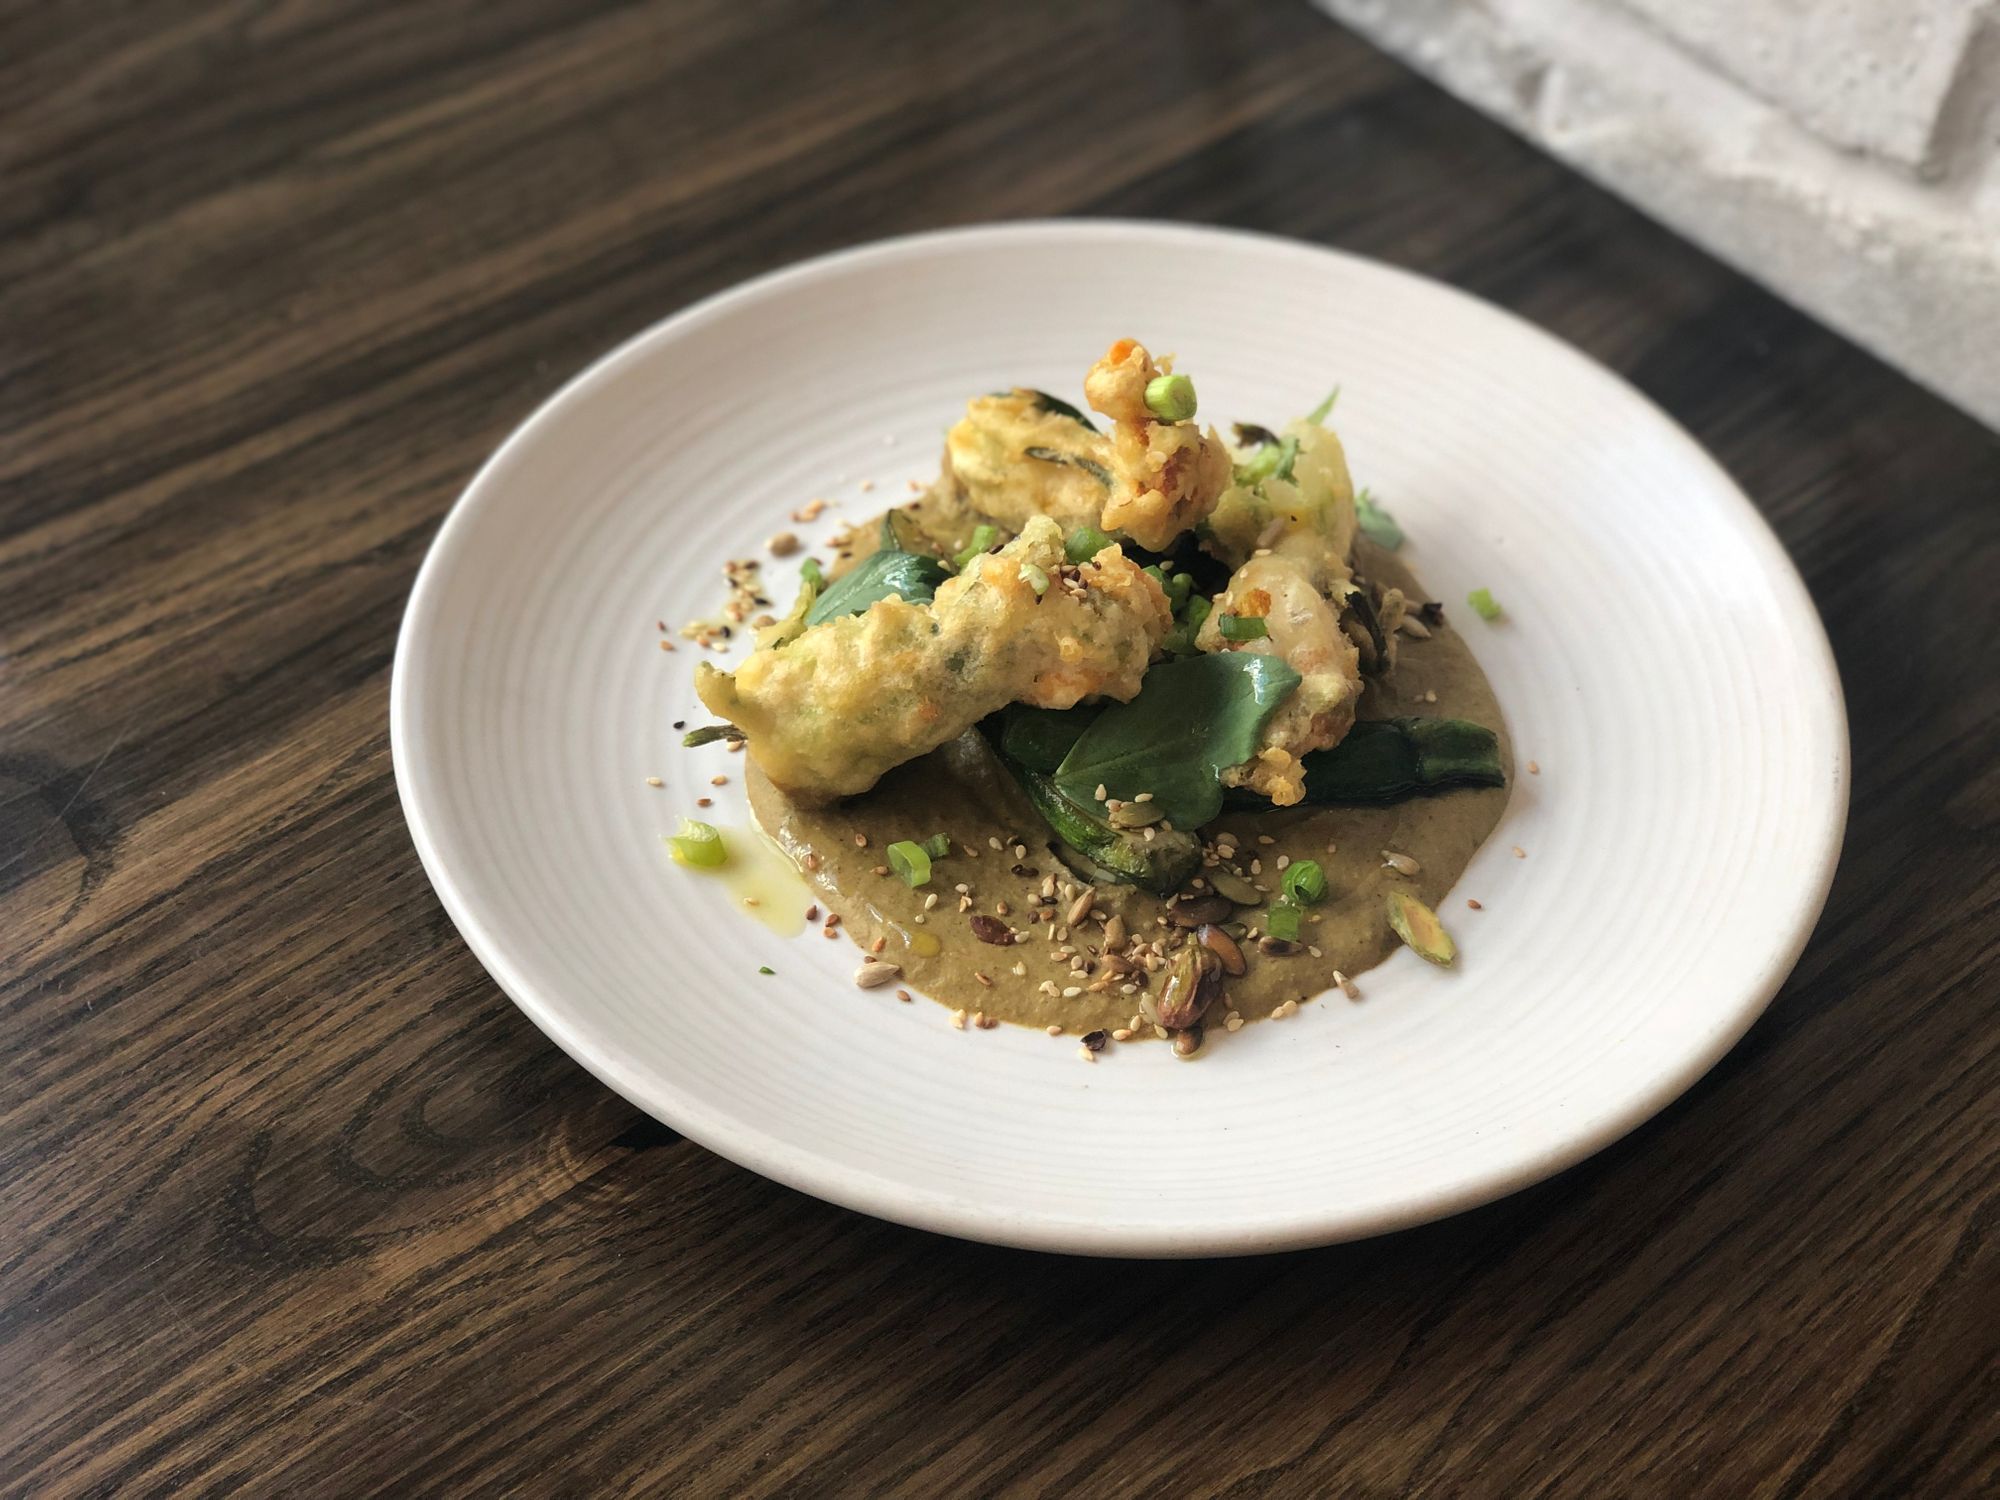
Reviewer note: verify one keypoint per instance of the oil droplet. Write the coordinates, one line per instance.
(923, 944)
(763, 882)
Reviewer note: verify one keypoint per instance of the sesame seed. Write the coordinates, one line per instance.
(704, 802)
(958, 1019)
(1314, 951)
(666, 645)
(1469, 901)
(982, 979)
(983, 1021)
(1533, 769)
(1519, 852)
(1266, 839)
(1143, 797)
(875, 947)
(812, 913)
(930, 901)
(1431, 696)
(718, 781)
(866, 485)
(654, 781)
(904, 996)
(1086, 1054)
(784, 544)
(1347, 986)
(1100, 791)
(861, 841)
(751, 901)
(1283, 860)
(1122, 1034)
(1286, 1010)
(880, 870)
(1072, 991)
(1234, 1023)
(1019, 971)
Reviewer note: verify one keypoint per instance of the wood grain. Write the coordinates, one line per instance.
(292, 1201)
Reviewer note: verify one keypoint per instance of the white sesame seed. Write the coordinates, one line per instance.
(1054, 1030)
(958, 1019)
(1070, 992)
(654, 781)
(930, 901)
(1534, 769)
(1086, 1054)
(1519, 852)
(1283, 860)
(1122, 1034)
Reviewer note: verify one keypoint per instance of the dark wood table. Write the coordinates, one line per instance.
(295, 1202)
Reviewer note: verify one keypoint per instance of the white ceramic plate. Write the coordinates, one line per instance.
(1660, 660)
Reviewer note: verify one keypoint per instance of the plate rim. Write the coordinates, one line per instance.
(884, 1197)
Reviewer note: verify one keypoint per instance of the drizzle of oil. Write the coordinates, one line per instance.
(762, 879)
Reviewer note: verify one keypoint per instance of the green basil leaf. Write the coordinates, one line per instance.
(1062, 408)
(1039, 738)
(877, 576)
(1385, 761)
(1191, 721)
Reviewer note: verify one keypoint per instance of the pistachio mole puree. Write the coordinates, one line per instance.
(960, 791)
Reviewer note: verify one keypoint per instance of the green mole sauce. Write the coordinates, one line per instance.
(960, 791)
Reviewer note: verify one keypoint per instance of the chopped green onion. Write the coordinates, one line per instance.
(1281, 920)
(698, 844)
(938, 845)
(1086, 543)
(1376, 523)
(910, 862)
(811, 574)
(1241, 627)
(983, 536)
(1178, 588)
(1170, 397)
(765, 969)
(1038, 580)
(1180, 641)
(1483, 604)
(708, 734)
(1320, 413)
(1305, 883)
